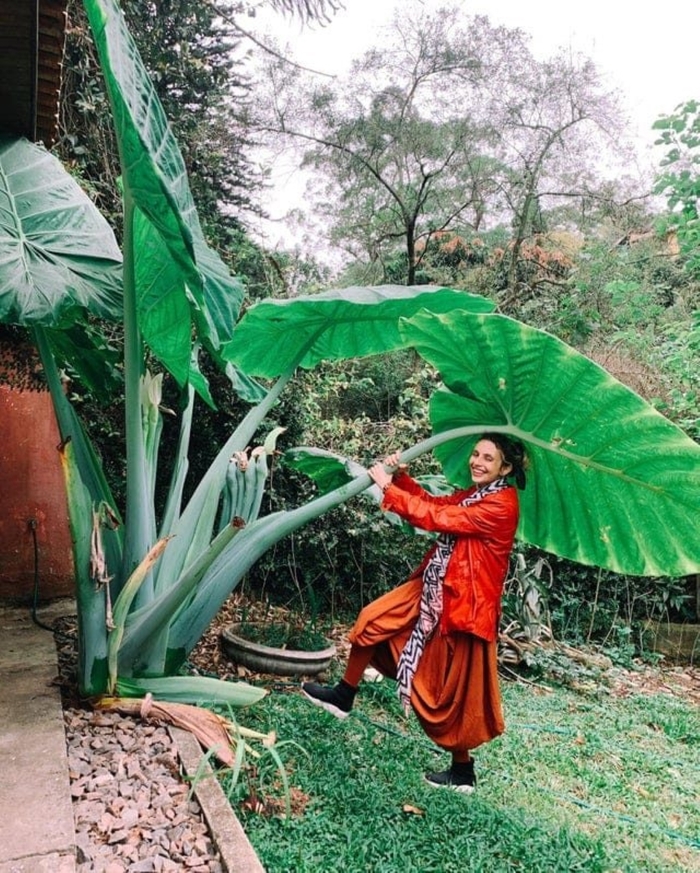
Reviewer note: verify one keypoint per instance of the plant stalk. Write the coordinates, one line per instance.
(140, 522)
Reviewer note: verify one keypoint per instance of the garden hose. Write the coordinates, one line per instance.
(599, 810)
(35, 597)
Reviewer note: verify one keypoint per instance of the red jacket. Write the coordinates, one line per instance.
(478, 565)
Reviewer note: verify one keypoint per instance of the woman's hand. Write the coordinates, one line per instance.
(394, 460)
(378, 473)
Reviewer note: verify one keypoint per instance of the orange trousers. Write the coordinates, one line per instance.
(455, 692)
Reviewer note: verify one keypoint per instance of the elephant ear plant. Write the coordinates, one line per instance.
(611, 483)
(147, 587)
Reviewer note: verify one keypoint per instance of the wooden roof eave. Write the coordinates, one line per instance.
(32, 38)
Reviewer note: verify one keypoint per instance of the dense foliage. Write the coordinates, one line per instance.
(194, 58)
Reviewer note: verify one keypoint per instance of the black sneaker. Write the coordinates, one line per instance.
(337, 700)
(460, 777)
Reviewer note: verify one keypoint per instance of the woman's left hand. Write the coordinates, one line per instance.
(378, 472)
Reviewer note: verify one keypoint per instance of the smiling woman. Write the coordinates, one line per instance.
(436, 634)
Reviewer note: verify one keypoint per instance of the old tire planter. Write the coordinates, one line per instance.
(267, 659)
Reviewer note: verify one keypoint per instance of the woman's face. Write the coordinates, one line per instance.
(487, 464)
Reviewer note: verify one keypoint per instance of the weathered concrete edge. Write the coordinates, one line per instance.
(237, 853)
(54, 862)
(27, 676)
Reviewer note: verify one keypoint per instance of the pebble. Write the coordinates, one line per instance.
(132, 810)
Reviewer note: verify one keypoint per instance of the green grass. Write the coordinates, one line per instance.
(575, 784)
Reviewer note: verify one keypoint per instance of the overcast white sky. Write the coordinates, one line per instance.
(650, 53)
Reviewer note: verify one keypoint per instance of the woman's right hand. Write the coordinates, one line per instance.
(394, 460)
(379, 475)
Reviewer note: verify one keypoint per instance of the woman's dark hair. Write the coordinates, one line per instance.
(513, 452)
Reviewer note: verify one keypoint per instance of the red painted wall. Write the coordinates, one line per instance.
(31, 488)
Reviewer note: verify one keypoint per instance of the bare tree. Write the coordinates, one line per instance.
(309, 10)
(451, 123)
(553, 121)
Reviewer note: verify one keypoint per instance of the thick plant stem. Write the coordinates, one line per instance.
(174, 502)
(154, 619)
(193, 530)
(83, 493)
(140, 522)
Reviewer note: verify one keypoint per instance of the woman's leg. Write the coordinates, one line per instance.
(388, 619)
(460, 776)
(358, 661)
(461, 757)
(339, 699)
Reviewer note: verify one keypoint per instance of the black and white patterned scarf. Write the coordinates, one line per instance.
(431, 600)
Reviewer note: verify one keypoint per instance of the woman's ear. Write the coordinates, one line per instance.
(506, 469)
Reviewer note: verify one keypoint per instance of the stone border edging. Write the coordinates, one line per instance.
(237, 853)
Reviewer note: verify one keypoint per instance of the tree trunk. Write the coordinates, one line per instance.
(411, 253)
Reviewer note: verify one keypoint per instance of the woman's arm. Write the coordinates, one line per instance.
(495, 515)
(402, 480)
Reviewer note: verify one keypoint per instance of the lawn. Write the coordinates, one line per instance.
(604, 780)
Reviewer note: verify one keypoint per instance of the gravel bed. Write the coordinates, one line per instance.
(132, 809)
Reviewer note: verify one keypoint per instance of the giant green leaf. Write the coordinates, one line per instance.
(58, 255)
(327, 469)
(166, 309)
(180, 278)
(153, 168)
(223, 296)
(276, 335)
(611, 482)
(162, 304)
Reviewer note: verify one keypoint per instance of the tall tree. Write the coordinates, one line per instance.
(401, 178)
(195, 53)
(393, 166)
(553, 120)
(452, 123)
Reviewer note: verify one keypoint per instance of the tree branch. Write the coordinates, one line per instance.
(266, 48)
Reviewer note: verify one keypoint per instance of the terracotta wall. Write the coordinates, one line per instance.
(32, 490)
